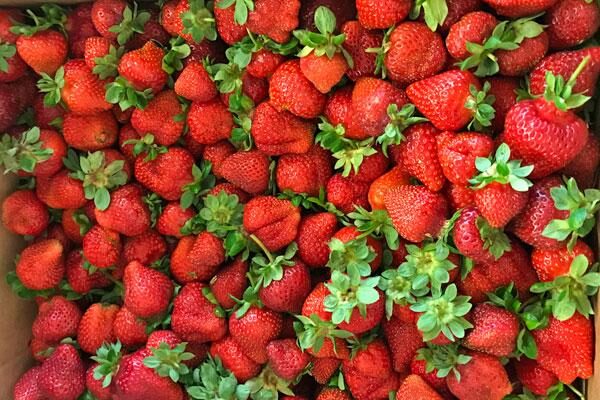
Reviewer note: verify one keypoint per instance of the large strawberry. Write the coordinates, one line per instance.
(304, 173)
(197, 258)
(254, 329)
(57, 319)
(562, 28)
(161, 118)
(127, 212)
(286, 359)
(248, 170)
(457, 154)
(274, 222)
(231, 355)
(494, 332)
(209, 122)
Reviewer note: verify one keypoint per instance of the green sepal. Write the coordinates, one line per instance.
(169, 362)
(352, 258)
(155, 205)
(480, 103)
(51, 15)
(269, 268)
(347, 295)
(203, 182)
(212, 381)
(83, 221)
(108, 357)
(313, 203)
(132, 22)
(443, 359)
(242, 8)
(17, 287)
(199, 21)
(499, 169)
(178, 50)
(268, 385)
(7, 51)
(398, 290)
(312, 332)
(221, 214)
(52, 86)
(494, 239)
(106, 67)
(426, 267)
(146, 145)
(126, 96)
(24, 153)
(376, 223)
(434, 12)
(400, 120)
(560, 93)
(380, 53)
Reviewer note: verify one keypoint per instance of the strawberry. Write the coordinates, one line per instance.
(14, 98)
(172, 218)
(57, 319)
(24, 214)
(475, 27)
(41, 265)
(397, 176)
(274, 19)
(280, 132)
(504, 90)
(195, 84)
(127, 213)
(286, 294)
(90, 132)
(197, 316)
(96, 327)
(12, 67)
(381, 15)
(94, 386)
(161, 118)
(358, 41)
(209, 122)
(339, 106)
(248, 170)
(494, 331)
(419, 366)
(552, 135)
(147, 248)
(291, 91)
(264, 63)
(197, 258)
(26, 388)
(552, 263)
(331, 393)
(79, 27)
(345, 193)
(571, 22)
(314, 232)
(534, 377)
(44, 51)
(96, 47)
(129, 329)
(230, 282)
(304, 173)
(106, 14)
(515, 9)
(62, 375)
(565, 348)
(79, 278)
(231, 25)
(413, 387)
(272, 221)
(46, 116)
(475, 238)
(254, 330)
(102, 247)
(9, 17)
(520, 61)
(414, 53)
(322, 369)
(138, 281)
(230, 189)
(457, 154)
(286, 359)
(583, 168)
(501, 182)
(404, 340)
(480, 368)
(420, 158)
(451, 99)
(416, 211)
(232, 357)
(61, 191)
(143, 68)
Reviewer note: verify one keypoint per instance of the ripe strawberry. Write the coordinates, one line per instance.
(162, 118)
(14, 98)
(416, 211)
(314, 233)
(230, 28)
(413, 387)
(273, 221)
(571, 22)
(331, 393)
(339, 106)
(24, 214)
(197, 316)
(46, 116)
(195, 84)
(457, 154)
(304, 173)
(381, 14)
(358, 40)
(197, 258)
(404, 340)
(552, 263)
(172, 219)
(280, 132)
(94, 386)
(9, 17)
(60, 191)
(14, 67)
(96, 327)
(209, 122)
(57, 319)
(79, 278)
(515, 9)
(232, 357)
(79, 27)
(504, 90)
(254, 330)
(147, 248)
(95, 47)
(418, 366)
(274, 19)
(288, 293)
(127, 213)
(44, 51)
(565, 348)
(344, 11)
(291, 91)
(90, 132)
(534, 377)
(474, 27)
(480, 368)
(26, 388)
(420, 157)
(415, 53)
(322, 369)
(523, 59)
(230, 281)
(102, 247)
(106, 14)
(495, 331)
(286, 359)
(264, 63)
(41, 265)
(397, 176)
(583, 168)
(345, 193)
(475, 238)
(143, 68)
(138, 281)
(248, 170)
(62, 375)
(129, 329)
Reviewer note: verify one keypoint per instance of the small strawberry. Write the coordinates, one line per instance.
(254, 329)
(314, 233)
(96, 327)
(26, 387)
(331, 393)
(209, 122)
(381, 15)
(162, 118)
(248, 170)
(140, 280)
(127, 213)
(79, 277)
(397, 176)
(494, 332)
(102, 247)
(413, 387)
(61, 191)
(96, 47)
(12, 67)
(322, 369)
(345, 193)
(46, 116)
(172, 219)
(571, 22)
(274, 19)
(286, 359)
(79, 27)
(457, 154)
(62, 375)
(274, 222)
(24, 214)
(57, 319)
(195, 84)
(419, 156)
(232, 357)
(147, 248)
(504, 90)
(358, 41)
(41, 265)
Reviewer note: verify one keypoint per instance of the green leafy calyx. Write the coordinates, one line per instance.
(499, 169)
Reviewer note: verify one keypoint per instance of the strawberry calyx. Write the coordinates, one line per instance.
(132, 22)
(352, 257)
(426, 267)
(106, 67)
(399, 121)
(208, 295)
(51, 16)
(348, 293)
(570, 293)
(376, 223)
(24, 153)
(507, 35)
(349, 153)
(312, 332)
(178, 50)
(169, 362)
(324, 43)
(199, 21)
(494, 239)
(560, 391)
(203, 182)
(443, 359)
(242, 8)
(81, 219)
(212, 380)
(121, 92)
(380, 53)
(269, 268)
(481, 105)
(398, 290)
(443, 312)
(498, 168)
(560, 93)
(222, 213)
(582, 207)
(308, 202)
(7, 51)
(97, 176)
(155, 205)
(108, 357)
(267, 385)
(434, 12)
(146, 145)
(52, 86)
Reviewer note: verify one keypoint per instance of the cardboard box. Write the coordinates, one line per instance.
(16, 315)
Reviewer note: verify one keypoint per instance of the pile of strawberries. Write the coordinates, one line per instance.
(326, 199)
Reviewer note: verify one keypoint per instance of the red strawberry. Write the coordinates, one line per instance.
(523, 59)
(196, 316)
(248, 170)
(127, 213)
(96, 327)
(90, 132)
(322, 369)
(46, 116)
(44, 51)
(474, 27)
(322, 71)
(415, 53)
(345, 193)
(195, 84)
(344, 11)
(415, 388)
(62, 375)
(288, 293)
(24, 214)
(280, 132)
(274, 19)
(286, 359)
(161, 118)
(418, 366)
(230, 30)
(304, 173)
(515, 9)
(459, 196)
(339, 106)
(209, 122)
(571, 22)
(230, 282)
(14, 98)
(197, 258)
(419, 156)
(15, 67)
(494, 332)
(583, 168)
(94, 386)
(483, 377)
(102, 247)
(95, 47)
(79, 278)
(475, 238)
(143, 67)
(9, 17)
(273, 221)
(230, 189)
(381, 14)
(138, 281)
(41, 265)
(79, 27)
(82, 91)
(254, 330)
(404, 340)
(416, 211)
(457, 154)
(331, 393)
(106, 14)
(60, 191)
(26, 388)
(264, 63)
(314, 233)
(291, 91)
(552, 263)
(129, 329)
(358, 40)
(231, 355)
(397, 176)
(504, 90)
(172, 219)
(57, 319)
(147, 248)
(534, 377)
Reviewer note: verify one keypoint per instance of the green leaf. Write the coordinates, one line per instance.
(325, 20)
(7, 51)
